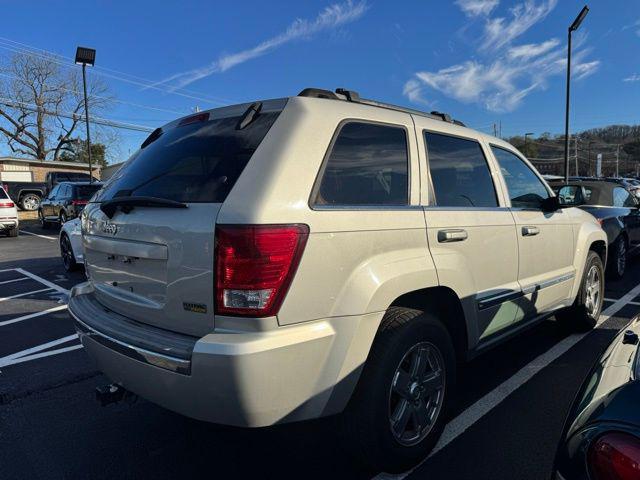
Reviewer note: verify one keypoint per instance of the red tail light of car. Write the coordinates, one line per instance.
(255, 265)
(7, 204)
(79, 202)
(615, 456)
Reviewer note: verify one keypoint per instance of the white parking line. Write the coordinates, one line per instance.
(32, 292)
(43, 281)
(30, 351)
(44, 354)
(36, 235)
(628, 303)
(33, 315)
(475, 412)
(14, 280)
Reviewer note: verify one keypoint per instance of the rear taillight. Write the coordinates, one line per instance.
(79, 202)
(7, 204)
(255, 265)
(615, 456)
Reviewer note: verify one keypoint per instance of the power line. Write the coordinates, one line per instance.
(97, 120)
(103, 71)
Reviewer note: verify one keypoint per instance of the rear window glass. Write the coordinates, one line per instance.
(3, 194)
(85, 192)
(197, 162)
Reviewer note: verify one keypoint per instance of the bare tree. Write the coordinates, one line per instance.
(41, 105)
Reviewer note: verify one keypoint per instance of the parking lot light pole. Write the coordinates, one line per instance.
(574, 26)
(86, 56)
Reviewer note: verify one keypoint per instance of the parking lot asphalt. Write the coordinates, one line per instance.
(505, 423)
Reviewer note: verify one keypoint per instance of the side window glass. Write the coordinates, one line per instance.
(622, 198)
(459, 172)
(53, 192)
(368, 165)
(526, 190)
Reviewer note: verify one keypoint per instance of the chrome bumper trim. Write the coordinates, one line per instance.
(173, 364)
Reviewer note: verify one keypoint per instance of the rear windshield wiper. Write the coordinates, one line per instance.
(127, 204)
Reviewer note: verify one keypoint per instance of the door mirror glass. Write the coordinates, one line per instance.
(570, 196)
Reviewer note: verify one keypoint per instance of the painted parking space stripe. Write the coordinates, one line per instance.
(30, 352)
(488, 402)
(37, 235)
(44, 354)
(44, 281)
(32, 292)
(14, 280)
(628, 303)
(33, 315)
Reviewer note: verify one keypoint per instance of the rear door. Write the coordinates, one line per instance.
(471, 233)
(546, 241)
(155, 265)
(47, 203)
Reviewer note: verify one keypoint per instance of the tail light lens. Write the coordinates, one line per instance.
(615, 456)
(255, 265)
(7, 204)
(79, 202)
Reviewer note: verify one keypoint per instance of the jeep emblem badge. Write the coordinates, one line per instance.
(109, 228)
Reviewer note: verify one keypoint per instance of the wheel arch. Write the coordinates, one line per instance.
(444, 303)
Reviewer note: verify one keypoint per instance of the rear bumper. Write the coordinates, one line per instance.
(7, 224)
(248, 379)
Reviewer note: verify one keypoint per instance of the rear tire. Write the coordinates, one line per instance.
(29, 202)
(617, 263)
(584, 313)
(398, 410)
(13, 232)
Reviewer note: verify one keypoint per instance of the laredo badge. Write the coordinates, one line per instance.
(194, 307)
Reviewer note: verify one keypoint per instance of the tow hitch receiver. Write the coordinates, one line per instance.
(113, 393)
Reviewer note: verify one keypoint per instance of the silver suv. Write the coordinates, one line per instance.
(324, 254)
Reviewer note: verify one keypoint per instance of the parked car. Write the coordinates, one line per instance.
(601, 436)
(296, 258)
(65, 202)
(70, 241)
(617, 210)
(28, 195)
(9, 223)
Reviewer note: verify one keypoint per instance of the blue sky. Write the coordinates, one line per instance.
(483, 61)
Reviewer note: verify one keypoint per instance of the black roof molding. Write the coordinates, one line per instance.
(353, 96)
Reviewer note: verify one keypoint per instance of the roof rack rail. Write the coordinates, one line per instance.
(353, 96)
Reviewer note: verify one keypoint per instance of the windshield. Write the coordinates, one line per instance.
(197, 162)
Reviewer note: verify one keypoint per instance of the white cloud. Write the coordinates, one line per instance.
(475, 8)
(531, 50)
(501, 78)
(635, 25)
(502, 84)
(632, 78)
(499, 31)
(331, 17)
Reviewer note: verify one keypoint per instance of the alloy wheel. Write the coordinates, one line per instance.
(67, 252)
(593, 293)
(417, 394)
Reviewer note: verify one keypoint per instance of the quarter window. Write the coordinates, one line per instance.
(459, 172)
(526, 190)
(368, 165)
(622, 198)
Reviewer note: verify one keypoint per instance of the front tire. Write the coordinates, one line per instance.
(68, 258)
(43, 223)
(585, 311)
(399, 408)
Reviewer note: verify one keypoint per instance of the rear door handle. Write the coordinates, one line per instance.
(530, 231)
(448, 236)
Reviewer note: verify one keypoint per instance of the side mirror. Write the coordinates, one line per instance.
(550, 204)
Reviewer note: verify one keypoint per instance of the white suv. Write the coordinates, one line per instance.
(8, 215)
(321, 254)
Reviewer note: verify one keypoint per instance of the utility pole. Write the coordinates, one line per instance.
(495, 130)
(617, 161)
(576, 153)
(500, 129)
